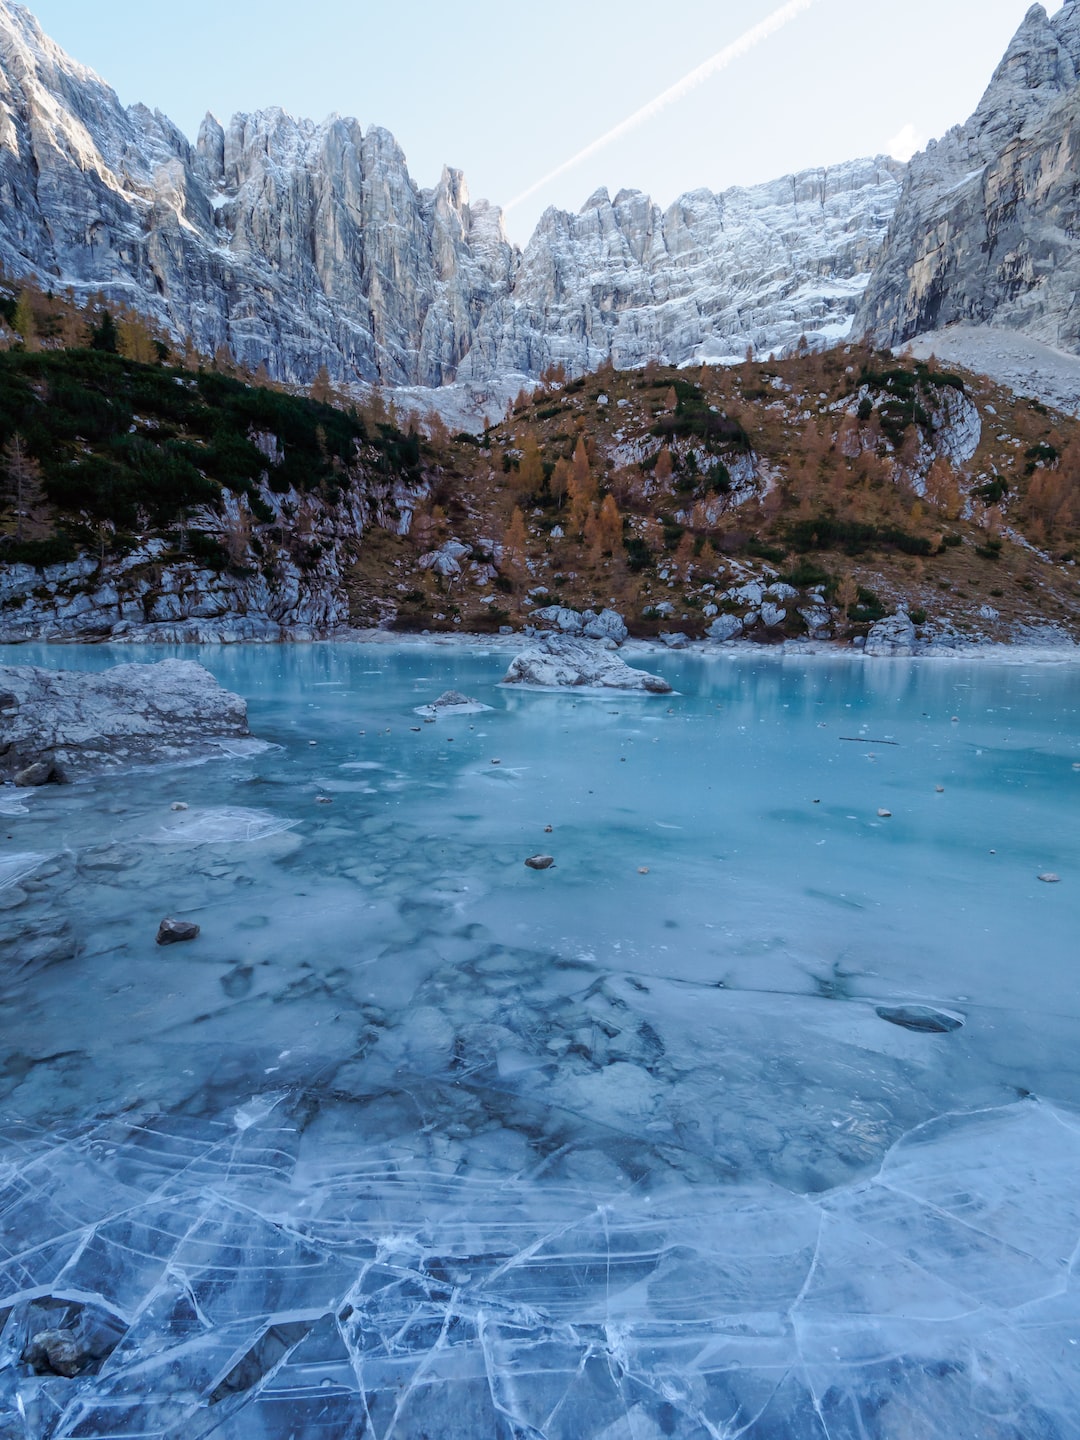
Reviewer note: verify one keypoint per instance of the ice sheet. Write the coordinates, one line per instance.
(415, 1141)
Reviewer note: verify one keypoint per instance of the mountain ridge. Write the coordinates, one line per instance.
(298, 244)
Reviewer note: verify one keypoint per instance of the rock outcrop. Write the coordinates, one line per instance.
(151, 595)
(988, 228)
(66, 724)
(559, 662)
(297, 244)
(892, 636)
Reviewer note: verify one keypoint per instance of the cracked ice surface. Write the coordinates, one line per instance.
(415, 1143)
(261, 1292)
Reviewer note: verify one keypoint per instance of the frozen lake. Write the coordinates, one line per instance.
(757, 1115)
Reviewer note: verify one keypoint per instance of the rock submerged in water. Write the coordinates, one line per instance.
(923, 1019)
(67, 724)
(56, 1352)
(558, 662)
(176, 932)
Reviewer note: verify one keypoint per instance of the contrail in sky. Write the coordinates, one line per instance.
(720, 61)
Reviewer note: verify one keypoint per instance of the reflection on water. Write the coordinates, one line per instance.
(414, 1140)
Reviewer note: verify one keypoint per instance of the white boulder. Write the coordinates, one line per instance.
(818, 621)
(78, 723)
(451, 702)
(725, 627)
(446, 560)
(559, 662)
(892, 636)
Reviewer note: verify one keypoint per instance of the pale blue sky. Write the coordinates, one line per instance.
(507, 92)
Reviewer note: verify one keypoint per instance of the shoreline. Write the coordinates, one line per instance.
(1020, 652)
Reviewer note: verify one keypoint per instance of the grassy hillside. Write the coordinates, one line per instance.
(653, 491)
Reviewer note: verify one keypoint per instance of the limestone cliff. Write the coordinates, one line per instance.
(298, 244)
(988, 225)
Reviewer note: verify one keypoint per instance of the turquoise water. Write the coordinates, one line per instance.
(418, 1141)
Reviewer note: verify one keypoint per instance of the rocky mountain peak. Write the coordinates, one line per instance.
(987, 229)
(298, 244)
(210, 147)
(1039, 66)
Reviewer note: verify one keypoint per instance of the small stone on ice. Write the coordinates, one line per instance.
(496, 762)
(178, 805)
(885, 814)
(540, 862)
(323, 800)
(548, 829)
(1050, 879)
(643, 870)
(940, 789)
(172, 932)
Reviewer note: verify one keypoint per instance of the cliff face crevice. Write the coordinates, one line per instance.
(298, 244)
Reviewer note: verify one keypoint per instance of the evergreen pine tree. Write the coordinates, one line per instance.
(104, 335)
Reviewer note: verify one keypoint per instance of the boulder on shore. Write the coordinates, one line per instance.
(725, 627)
(558, 662)
(607, 625)
(892, 636)
(65, 724)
